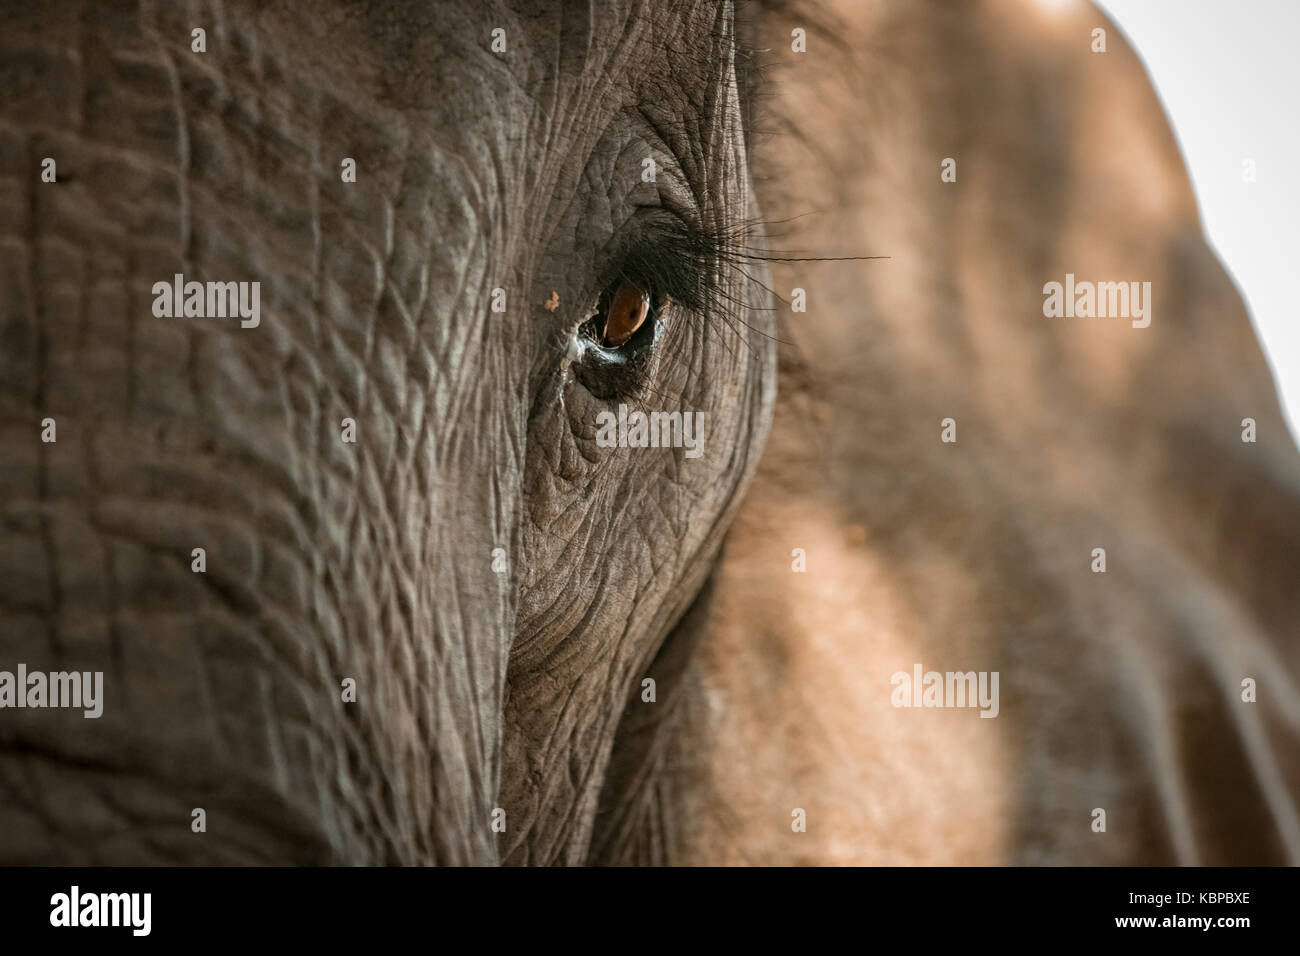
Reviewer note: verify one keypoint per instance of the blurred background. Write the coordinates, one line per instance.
(1228, 75)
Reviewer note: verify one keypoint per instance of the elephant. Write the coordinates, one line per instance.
(537, 433)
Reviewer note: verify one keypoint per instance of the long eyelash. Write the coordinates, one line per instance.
(677, 261)
(706, 273)
(695, 267)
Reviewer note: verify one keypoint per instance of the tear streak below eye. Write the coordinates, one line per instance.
(627, 311)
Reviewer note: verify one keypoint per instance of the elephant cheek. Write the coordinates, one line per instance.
(293, 568)
(273, 537)
(302, 637)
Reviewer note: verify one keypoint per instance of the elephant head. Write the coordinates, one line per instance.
(369, 577)
(379, 382)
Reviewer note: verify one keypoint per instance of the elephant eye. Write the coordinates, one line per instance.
(625, 318)
(627, 310)
(663, 263)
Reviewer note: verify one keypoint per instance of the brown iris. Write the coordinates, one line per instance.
(627, 311)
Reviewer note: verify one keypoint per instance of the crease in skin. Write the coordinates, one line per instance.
(1268, 776)
(1247, 722)
(1157, 739)
(1255, 653)
(1214, 614)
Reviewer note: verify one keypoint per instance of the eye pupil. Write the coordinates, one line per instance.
(627, 311)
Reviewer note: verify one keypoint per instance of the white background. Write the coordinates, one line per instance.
(1228, 73)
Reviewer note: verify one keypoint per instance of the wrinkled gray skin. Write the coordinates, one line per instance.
(325, 560)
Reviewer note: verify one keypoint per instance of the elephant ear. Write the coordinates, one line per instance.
(948, 461)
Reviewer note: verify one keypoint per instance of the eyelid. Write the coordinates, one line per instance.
(671, 257)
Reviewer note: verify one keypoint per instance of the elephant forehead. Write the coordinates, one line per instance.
(487, 130)
(563, 63)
